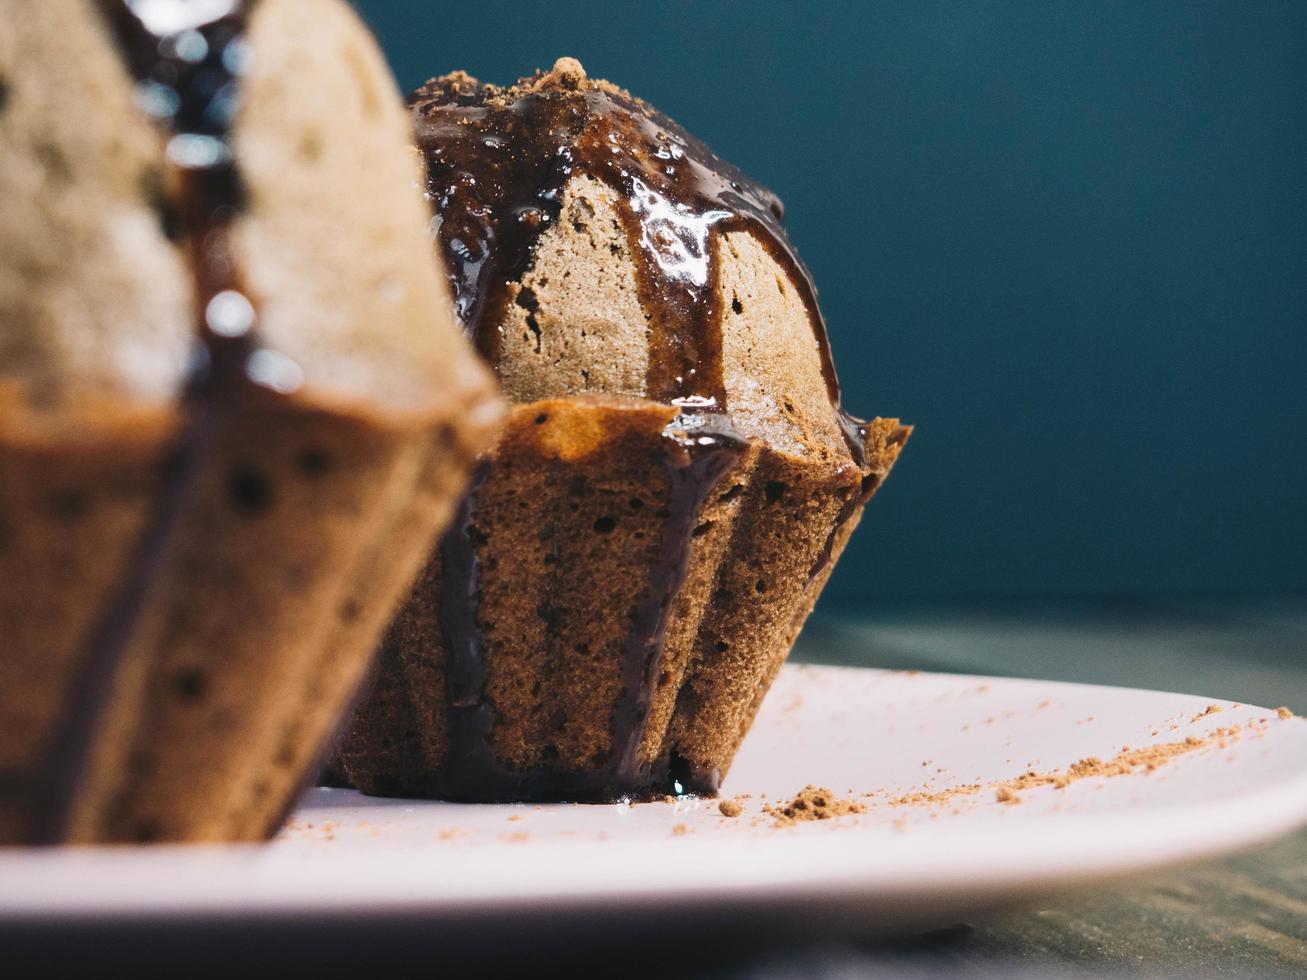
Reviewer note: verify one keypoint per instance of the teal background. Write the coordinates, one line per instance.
(1067, 240)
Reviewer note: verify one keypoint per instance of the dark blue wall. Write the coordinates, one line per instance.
(1068, 240)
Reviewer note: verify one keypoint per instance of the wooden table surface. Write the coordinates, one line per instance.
(1241, 916)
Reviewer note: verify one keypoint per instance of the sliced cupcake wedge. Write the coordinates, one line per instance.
(234, 406)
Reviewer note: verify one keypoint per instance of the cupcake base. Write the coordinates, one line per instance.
(207, 630)
(601, 621)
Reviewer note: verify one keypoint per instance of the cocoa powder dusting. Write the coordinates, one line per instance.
(1128, 760)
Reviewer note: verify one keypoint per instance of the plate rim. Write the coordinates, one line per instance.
(386, 884)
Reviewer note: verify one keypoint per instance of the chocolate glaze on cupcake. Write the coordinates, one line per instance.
(233, 408)
(677, 476)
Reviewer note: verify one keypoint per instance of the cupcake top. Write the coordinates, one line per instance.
(227, 180)
(594, 246)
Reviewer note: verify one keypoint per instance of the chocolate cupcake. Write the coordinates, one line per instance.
(234, 410)
(676, 479)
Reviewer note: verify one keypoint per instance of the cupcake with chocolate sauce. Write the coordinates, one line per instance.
(234, 410)
(676, 479)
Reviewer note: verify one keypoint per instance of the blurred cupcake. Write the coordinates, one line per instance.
(233, 409)
(676, 479)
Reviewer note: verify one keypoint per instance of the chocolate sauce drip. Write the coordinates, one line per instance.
(187, 65)
(700, 452)
(710, 450)
(497, 163)
(691, 777)
(468, 758)
(845, 514)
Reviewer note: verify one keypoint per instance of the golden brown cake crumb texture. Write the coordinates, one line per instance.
(812, 803)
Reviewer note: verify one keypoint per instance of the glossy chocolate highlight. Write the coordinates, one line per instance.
(497, 163)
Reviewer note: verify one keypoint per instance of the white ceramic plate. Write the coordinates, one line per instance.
(345, 857)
